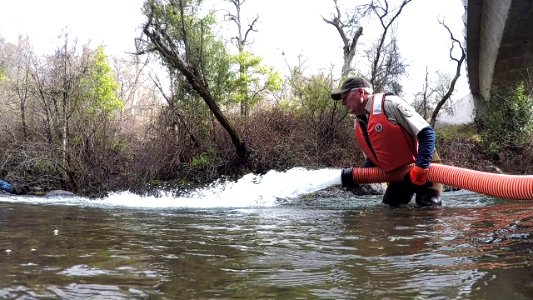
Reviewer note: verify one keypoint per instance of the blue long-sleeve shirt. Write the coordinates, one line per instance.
(426, 147)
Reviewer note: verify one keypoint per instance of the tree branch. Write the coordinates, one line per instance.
(459, 62)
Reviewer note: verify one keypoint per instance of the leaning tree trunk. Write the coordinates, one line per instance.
(159, 39)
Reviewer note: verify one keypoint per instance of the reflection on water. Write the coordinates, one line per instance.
(474, 247)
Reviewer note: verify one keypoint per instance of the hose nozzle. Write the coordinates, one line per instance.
(347, 178)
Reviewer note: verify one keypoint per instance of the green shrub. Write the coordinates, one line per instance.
(507, 123)
(203, 159)
(450, 132)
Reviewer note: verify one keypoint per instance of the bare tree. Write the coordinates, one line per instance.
(177, 118)
(391, 66)
(432, 91)
(350, 30)
(387, 65)
(422, 102)
(241, 40)
(18, 69)
(139, 91)
(386, 62)
(459, 62)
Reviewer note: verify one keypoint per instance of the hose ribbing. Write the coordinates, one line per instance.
(519, 187)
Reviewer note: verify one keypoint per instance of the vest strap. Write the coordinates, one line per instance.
(377, 107)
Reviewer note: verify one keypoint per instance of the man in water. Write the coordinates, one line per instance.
(392, 135)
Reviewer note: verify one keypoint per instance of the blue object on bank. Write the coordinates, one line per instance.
(5, 186)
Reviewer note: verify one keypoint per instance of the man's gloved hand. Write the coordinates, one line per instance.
(418, 175)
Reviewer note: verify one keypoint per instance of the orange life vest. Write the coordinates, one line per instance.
(388, 145)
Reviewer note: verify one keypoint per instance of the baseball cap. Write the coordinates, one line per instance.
(348, 84)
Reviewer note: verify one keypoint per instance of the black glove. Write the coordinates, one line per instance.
(19, 189)
(347, 178)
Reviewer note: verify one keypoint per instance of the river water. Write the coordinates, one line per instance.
(261, 237)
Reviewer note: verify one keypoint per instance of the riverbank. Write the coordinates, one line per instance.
(281, 146)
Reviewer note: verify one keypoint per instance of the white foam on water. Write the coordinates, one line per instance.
(252, 190)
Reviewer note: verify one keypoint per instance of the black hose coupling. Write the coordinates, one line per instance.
(347, 178)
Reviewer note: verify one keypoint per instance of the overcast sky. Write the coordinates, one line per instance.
(112, 23)
(292, 27)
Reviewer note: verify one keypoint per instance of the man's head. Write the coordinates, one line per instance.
(352, 83)
(354, 93)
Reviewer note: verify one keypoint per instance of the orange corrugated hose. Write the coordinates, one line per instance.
(519, 187)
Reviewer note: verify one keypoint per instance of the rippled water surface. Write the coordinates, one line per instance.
(474, 247)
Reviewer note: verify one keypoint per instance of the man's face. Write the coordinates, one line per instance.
(354, 100)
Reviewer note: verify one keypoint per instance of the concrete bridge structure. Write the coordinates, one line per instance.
(498, 44)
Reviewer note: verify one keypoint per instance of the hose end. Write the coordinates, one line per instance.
(347, 178)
